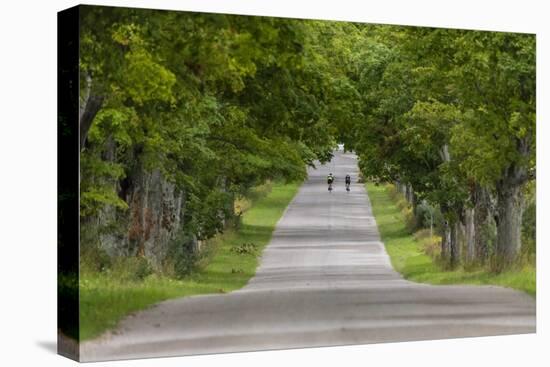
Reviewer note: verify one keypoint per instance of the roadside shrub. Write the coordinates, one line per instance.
(143, 268)
(245, 249)
(392, 190)
(181, 256)
(410, 220)
(94, 259)
(424, 213)
(404, 207)
(130, 269)
(258, 192)
(431, 246)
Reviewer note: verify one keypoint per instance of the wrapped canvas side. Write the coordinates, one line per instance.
(68, 183)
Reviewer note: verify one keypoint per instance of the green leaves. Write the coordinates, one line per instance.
(117, 123)
(146, 80)
(97, 185)
(215, 103)
(92, 201)
(444, 110)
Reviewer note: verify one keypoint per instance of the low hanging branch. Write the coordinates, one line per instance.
(88, 110)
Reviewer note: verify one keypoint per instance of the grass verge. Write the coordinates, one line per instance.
(232, 260)
(408, 254)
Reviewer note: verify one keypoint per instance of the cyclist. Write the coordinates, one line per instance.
(330, 180)
(348, 182)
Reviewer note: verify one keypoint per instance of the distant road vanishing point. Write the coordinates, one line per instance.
(325, 279)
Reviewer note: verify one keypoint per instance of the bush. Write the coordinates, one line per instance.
(130, 269)
(392, 191)
(181, 256)
(143, 268)
(430, 245)
(245, 249)
(410, 220)
(93, 259)
(403, 205)
(424, 214)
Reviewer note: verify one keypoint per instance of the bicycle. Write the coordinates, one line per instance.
(330, 180)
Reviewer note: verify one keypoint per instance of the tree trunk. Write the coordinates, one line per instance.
(469, 215)
(509, 213)
(90, 111)
(89, 108)
(404, 191)
(454, 257)
(482, 214)
(411, 198)
(450, 245)
(446, 243)
(510, 203)
(508, 220)
(408, 193)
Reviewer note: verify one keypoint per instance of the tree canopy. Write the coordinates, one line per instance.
(217, 104)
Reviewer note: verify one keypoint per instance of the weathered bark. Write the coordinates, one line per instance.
(450, 243)
(509, 213)
(154, 218)
(446, 243)
(145, 220)
(483, 212)
(469, 218)
(109, 151)
(90, 111)
(223, 183)
(449, 248)
(454, 258)
(157, 215)
(89, 108)
(508, 220)
(109, 216)
(411, 197)
(409, 193)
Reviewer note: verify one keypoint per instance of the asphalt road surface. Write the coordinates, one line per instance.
(325, 279)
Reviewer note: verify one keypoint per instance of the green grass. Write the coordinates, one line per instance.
(410, 259)
(105, 300)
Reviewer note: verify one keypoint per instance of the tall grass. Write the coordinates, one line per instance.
(415, 254)
(231, 260)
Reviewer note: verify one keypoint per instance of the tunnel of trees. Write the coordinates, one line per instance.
(182, 113)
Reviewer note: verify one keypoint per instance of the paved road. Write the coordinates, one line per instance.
(324, 279)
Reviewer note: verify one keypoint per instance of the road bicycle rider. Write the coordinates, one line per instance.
(330, 180)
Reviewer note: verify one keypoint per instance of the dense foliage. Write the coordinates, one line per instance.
(450, 117)
(199, 107)
(182, 113)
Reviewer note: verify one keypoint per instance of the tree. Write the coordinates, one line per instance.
(198, 107)
(496, 83)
